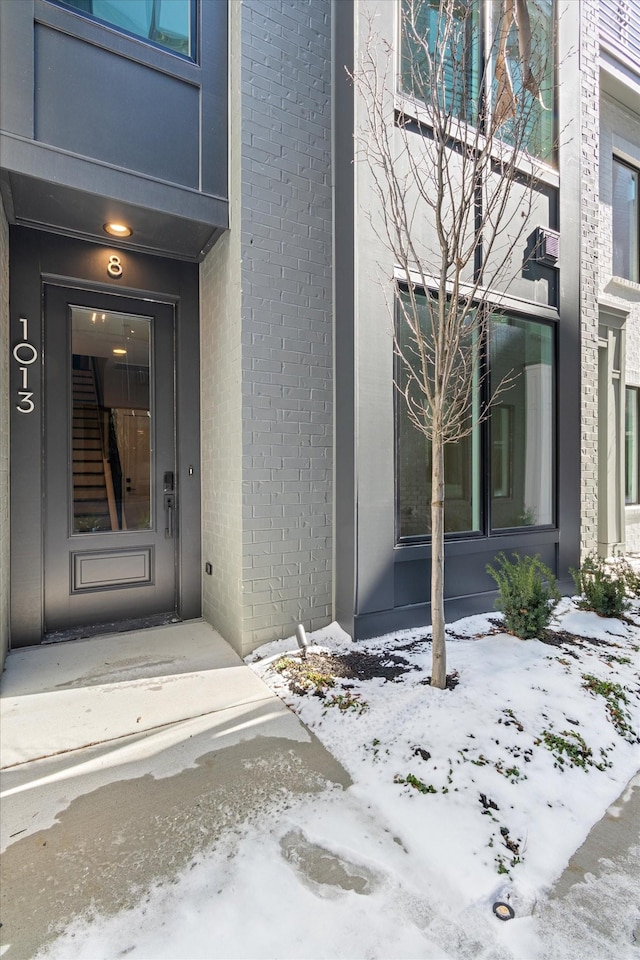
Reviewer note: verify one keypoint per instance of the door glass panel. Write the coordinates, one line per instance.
(111, 421)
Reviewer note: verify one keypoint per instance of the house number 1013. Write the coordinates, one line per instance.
(25, 354)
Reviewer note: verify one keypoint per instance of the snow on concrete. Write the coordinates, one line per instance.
(460, 797)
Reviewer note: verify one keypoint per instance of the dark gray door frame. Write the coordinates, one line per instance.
(37, 259)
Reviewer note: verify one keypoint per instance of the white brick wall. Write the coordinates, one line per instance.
(4, 436)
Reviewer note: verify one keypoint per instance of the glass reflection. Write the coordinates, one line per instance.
(111, 421)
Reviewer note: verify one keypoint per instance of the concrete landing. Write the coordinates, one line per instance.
(62, 697)
(124, 758)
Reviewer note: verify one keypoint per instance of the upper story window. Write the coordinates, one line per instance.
(625, 223)
(620, 30)
(488, 62)
(167, 23)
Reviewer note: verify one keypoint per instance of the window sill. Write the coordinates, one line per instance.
(529, 166)
(621, 287)
(407, 551)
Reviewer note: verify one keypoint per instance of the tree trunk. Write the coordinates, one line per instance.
(439, 650)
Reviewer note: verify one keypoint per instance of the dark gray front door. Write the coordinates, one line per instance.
(110, 497)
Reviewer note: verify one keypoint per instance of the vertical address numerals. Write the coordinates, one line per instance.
(25, 355)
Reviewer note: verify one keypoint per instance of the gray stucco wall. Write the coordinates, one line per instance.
(286, 316)
(4, 436)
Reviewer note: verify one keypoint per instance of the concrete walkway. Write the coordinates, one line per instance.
(125, 756)
(597, 893)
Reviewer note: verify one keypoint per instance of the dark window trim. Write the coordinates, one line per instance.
(503, 531)
(623, 162)
(487, 532)
(59, 14)
(485, 85)
(636, 392)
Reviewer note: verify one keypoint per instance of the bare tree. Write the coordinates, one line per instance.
(454, 149)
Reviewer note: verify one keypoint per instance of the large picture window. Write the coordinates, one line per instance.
(167, 23)
(488, 56)
(625, 222)
(523, 452)
(459, 89)
(506, 462)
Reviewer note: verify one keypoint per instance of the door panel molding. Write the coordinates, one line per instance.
(105, 569)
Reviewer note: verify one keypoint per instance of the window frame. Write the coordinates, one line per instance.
(628, 501)
(408, 105)
(485, 457)
(506, 485)
(635, 170)
(191, 57)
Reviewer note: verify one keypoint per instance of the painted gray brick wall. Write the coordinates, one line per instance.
(286, 316)
(4, 436)
(221, 392)
(590, 231)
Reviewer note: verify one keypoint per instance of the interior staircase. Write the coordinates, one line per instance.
(93, 497)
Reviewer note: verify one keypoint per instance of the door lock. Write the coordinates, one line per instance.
(169, 508)
(169, 504)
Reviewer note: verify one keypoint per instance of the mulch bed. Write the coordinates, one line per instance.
(358, 665)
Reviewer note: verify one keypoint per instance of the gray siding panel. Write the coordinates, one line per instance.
(87, 82)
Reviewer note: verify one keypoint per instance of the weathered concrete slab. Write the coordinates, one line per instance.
(94, 828)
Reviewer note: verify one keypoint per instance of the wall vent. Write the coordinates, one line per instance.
(547, 246)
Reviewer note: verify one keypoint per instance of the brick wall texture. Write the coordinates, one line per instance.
(286, 316)
(221, 393)
(590, 232)
(267, 390)
(4, 436)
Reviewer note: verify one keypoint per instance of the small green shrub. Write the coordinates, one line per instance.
(347, 701)
(617, 703)
(528, 594)
(415, 782)
(570, 745)
(632, 580)
(602, 587)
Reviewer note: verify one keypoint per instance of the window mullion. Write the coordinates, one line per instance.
(486, 65)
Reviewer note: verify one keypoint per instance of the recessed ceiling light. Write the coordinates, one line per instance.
(119, 351)
(117, 229)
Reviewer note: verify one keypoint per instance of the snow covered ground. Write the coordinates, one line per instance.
(460, 797)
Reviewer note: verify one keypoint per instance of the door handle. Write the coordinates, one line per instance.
(169, 507)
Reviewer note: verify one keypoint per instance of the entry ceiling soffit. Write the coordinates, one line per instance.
(58, 208)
